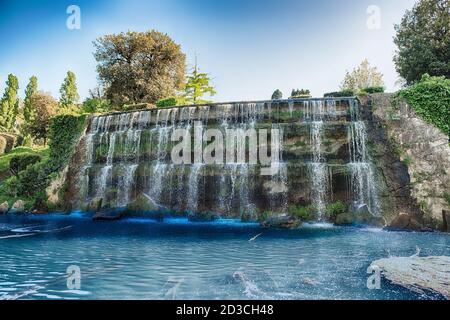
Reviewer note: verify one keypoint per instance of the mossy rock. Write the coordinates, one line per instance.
(345, 219)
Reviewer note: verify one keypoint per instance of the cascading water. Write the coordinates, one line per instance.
(128, 155)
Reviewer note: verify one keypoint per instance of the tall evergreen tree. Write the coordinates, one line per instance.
(10, 104)
(69, 91)
(29, 111)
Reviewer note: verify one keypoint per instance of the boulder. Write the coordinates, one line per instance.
(404, 222)
(109, 215)
(4, 207)
(282, 221)
(18, 207)
(345, 219)
(420, 274)
(362, 217)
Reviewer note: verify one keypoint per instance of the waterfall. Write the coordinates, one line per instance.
(128, 154)
(362, 176)
(318, 168)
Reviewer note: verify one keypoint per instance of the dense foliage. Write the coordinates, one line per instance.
(20, 162)
(44, 107)
(430, 99)
(168, 102)
(371, 90)
(363, 76)
(65, 131)
(334, 209)
(96, 105)
(302, 93)
(29, 110)
(137, 67)
(423, 41)
(277, 95)
(69, 91)
(343, 93)
(9, 104)
(31, 183)
(198, 85)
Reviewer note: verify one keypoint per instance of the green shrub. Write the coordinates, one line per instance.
(334, 209)
(308, 213)
(338, 94)
(10, 187)
(34, 179)
(371, 90)
(447, 197)
(20, 162)
(430, 99)
(95, 105)
(165, 103)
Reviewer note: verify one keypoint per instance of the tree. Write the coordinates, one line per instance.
(423, 41)
(197, 86)
(10, 104)
(69, 91)
(46, 107)
(302, 93)
(363, 76)
(139, 67)
(28, 110)
(277, 95)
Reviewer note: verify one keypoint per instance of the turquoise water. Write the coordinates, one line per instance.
(144, 259)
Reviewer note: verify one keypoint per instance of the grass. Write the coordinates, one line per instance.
(6, 158)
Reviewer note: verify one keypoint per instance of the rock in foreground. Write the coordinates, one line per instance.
(418, 273)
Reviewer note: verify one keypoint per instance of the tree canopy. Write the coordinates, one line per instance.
(277, 95)
(197, 86)
(362, 77)
(139, 67)
(423, 41)
(45, 107)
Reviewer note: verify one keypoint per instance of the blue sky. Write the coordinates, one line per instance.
(249, 47)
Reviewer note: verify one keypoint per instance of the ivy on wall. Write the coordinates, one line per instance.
(65, 132)
(430, 99)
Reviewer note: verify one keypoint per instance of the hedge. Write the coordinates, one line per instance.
(168, 102)
(338, 94)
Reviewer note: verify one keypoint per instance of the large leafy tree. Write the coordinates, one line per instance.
(9, 104)
(362, 77)
(69, 91)
(137, 67)
(423, 41)
(277, 95)
(45, 107)
(197, 86)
